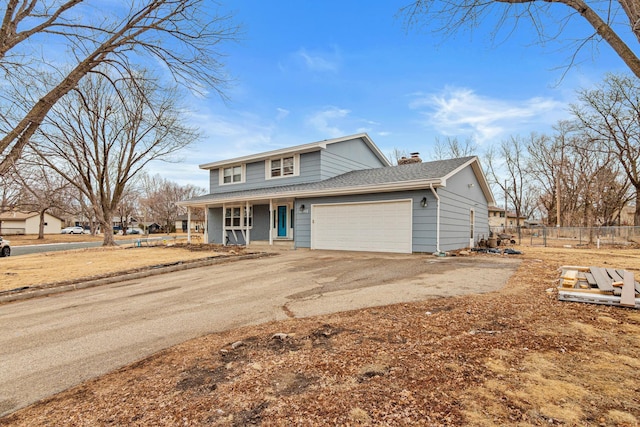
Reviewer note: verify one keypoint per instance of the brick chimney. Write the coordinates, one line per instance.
(415, 158)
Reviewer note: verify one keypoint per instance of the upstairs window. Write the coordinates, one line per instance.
(282, 167)
(232, 175)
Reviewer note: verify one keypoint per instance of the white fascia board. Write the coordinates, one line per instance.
(298, 149)
(345, 191)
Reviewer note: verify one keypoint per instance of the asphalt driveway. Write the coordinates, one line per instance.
(50, 344)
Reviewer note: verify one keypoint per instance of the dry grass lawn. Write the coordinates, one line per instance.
(515, 357)
(65, 266)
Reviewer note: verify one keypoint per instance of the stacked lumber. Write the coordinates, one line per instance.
(598, 285)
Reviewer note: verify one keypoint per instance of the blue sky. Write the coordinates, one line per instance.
(306, 71)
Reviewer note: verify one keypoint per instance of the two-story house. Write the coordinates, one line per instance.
(343, 194)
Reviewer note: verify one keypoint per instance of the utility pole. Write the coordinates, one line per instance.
(558, 222)
(558, 199)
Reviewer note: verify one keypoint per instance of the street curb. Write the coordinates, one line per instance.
(50, 289)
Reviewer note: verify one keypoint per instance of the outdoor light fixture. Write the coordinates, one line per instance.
(423, 202)
(301, 208)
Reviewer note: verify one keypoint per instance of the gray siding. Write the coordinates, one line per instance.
(335, 160)
(214, 225)
(424, 223)
(260, 230)
(214, 177)
(309, 172)
(347, 156)
(457, 200)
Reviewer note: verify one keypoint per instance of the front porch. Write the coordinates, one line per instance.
(268, 222)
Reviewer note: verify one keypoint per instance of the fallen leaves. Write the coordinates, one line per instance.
(517, 356)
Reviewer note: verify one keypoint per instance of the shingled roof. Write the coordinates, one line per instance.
(391, 178)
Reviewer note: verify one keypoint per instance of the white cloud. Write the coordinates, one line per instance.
(461, 111)
(224, 136)
(325, 121)
(282, 113)
(319, 61)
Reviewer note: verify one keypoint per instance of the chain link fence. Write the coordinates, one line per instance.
(574, 236)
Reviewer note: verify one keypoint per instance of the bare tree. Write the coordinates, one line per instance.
(610, 116)
(161, 198)
(181, 34)
(582, 186)
(42, 190)
(127, 208)
(397, 154)
(514, 184)
(611, 20)
(102, 134)
(451, 148)
(9, 193)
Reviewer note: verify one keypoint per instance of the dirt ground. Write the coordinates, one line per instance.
(513, 357)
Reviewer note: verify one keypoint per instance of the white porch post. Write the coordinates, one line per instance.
(224, 233)
(189, 224)
(206, 224)
(270, 222)
(246, 213)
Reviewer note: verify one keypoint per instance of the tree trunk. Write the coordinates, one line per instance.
(636, 214)
(41, 226)
(606, 32)
(106, 222)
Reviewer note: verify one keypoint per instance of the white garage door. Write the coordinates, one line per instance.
(370, 226)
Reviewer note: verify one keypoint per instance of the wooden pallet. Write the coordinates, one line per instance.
(598, 286)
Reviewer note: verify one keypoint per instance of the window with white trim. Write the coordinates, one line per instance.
(232, 175)
(283, 167)
(233, 217)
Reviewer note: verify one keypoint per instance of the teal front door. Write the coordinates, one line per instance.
(282, 221)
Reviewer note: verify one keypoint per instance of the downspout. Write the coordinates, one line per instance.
(435, 194)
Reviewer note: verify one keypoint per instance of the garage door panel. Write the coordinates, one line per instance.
(371, 226)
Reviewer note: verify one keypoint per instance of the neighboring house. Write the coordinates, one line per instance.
(627, 214)
(152, 227)
(497, 215)
(129, 222)
(343, 194)
(182, 224)
(28, 223)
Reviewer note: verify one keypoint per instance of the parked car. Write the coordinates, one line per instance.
(5, 249)
(72, 230)
(134, 231)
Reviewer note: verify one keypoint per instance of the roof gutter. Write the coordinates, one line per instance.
(435, 194)
(377, 188)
